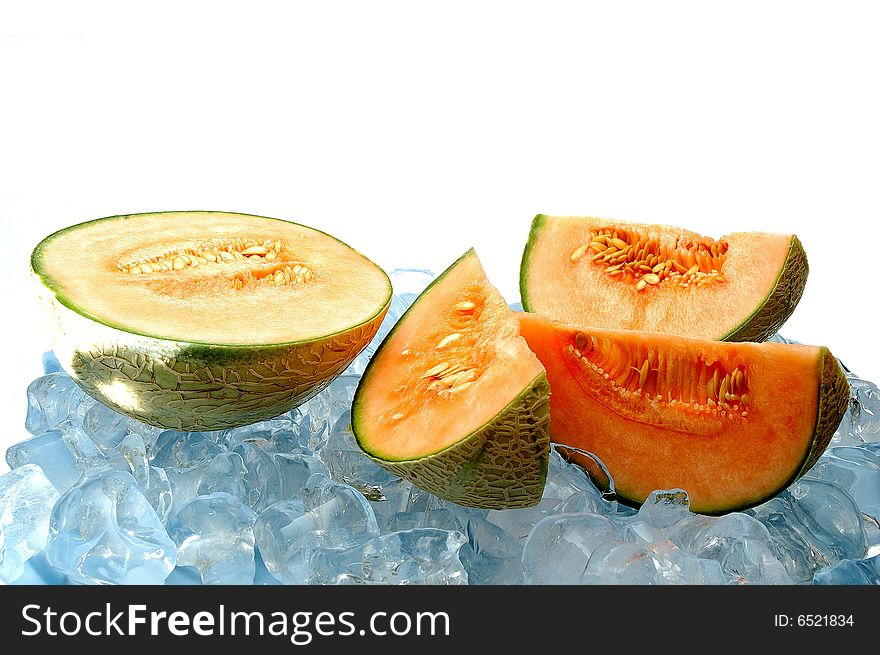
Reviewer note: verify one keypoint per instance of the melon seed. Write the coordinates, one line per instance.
(465, 306)
(577, 254)
(652, 278)
(461, 387)
(449, 338)
(431, 372)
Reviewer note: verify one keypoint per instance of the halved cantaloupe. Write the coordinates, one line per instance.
(454, 400)
(618, 275)
(730, 423)
(205, 320)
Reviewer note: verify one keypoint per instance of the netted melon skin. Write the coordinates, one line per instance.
(197, 387)
(503, 465)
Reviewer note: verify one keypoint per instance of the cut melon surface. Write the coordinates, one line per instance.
(454, 400)
(205, 320)
(620, 275)
(730, 423)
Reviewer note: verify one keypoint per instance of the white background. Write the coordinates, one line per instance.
(415, 130)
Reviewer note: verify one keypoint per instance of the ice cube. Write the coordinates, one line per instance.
(105, 427)
(865, 409)
(642, 533)
(738, 541)
(440, 518)
(26, 500)
(48, 451)
(51, 363)
(158, 493)
(347, 463)
(326, 515)
(814, 524)
(520, 521)
(850, 572)
(134, 451)
(262, 479)
(295, 470)
(699, 571)
(559, 547)
(51, 399)
(215, 535)
(225, 473)
(857, 470)
(491, 556)
(422, 556)
(263, 434)
(664, 508)
(620, 562)
(564, 478)
(104, 531)
(184, 456)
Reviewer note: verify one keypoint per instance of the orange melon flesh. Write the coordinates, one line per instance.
(744, 289)
(96, 268)
(675, 432)
(403, 412)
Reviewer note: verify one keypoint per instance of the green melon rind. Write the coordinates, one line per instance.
(779, 304)
(834, 393)
(537, 226)
(832, 403)
(500, 465)
(776, 308)
(46, 280)
(198, 387)
(190, 385)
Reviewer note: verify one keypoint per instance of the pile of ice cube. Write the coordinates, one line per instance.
(97, 498)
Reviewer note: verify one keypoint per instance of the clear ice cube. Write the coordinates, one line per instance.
(519, 522)
(51, 399)
(48, 451)
(739, 542)
(347, 463)
(664, 508)
(51, 363)
(225, 473)
(326, 515)
(104, 531)
(26, 500)
(105, 427)
(850, 572)
(857, 470)
(184, 456)
(621, 562)
(422, 556)
(559, 547)
(491, 556)
(214, 534)
(262, 479)
(295, 470)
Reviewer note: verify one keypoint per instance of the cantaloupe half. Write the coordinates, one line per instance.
(205, 320)
(618, 275)
(454, 400)
(730, 423)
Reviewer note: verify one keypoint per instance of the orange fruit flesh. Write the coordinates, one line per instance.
(710, 288)
(447, 370)
(668, 427)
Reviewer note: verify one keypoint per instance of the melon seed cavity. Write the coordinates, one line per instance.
(645, 262)
(645, 385)
(273, 262)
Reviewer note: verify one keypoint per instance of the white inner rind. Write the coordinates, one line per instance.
(81, 266)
